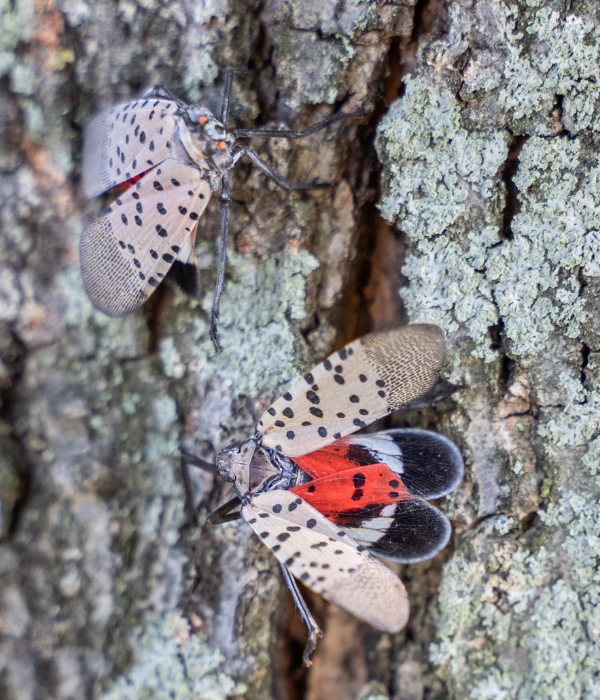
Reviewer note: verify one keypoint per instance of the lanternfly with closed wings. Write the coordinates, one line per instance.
(324, 501)
(169, 158)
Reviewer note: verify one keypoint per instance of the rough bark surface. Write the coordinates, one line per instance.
(111, 583)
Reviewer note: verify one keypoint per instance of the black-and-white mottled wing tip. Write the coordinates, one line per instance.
(408, 532)
(430, 465)
(360, 383)
(327, 560)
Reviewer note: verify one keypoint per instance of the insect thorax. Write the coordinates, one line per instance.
(205, 139)
(254, 469)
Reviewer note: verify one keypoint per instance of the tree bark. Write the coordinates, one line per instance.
(112, 585)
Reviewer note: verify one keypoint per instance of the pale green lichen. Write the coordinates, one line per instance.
(330, 17)
(474, 598)
(565, 64)
(438, 179)
(373, 691)
(528, 281)
(16, 20)
(172, 663)
(519, 618)
(259, 306)
(323, 61)
(201, 70)
(533, 276)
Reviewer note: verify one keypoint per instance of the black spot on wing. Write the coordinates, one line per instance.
(313, 397)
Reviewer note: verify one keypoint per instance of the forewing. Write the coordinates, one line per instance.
(327, 560)
(353, 387)
(127, 250)
(429, 464)
(125, 141)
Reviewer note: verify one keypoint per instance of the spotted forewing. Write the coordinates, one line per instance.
(327, 560)
(353, 387)
(127, 250)
(124, 141)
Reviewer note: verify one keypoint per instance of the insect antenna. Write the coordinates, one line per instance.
(314, 631)
(196, 461)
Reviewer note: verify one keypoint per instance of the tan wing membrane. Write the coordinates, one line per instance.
(353, 387)
(408, 360)
(327, 560)
(125, 141)
(127, 250)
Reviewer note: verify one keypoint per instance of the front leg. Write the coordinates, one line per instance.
(276, 177)
(225, 200)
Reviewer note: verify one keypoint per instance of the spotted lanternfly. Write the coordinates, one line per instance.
(170, 158)
(325, 501)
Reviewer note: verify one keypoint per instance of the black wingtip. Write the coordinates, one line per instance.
(432, 464)
(417, 533)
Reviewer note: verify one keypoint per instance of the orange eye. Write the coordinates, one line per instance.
(202, 120)
(221, 145)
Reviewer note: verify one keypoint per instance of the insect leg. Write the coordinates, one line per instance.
(227, 512)
(227, 92)
(292, 133)
(276, 177)
(225, 200)
(314, 631)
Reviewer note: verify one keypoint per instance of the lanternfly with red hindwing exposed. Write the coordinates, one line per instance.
(325, 501)
(170, 158)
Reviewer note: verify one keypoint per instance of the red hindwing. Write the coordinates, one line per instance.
(345, 491)
(328, 460)
(123, 186)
